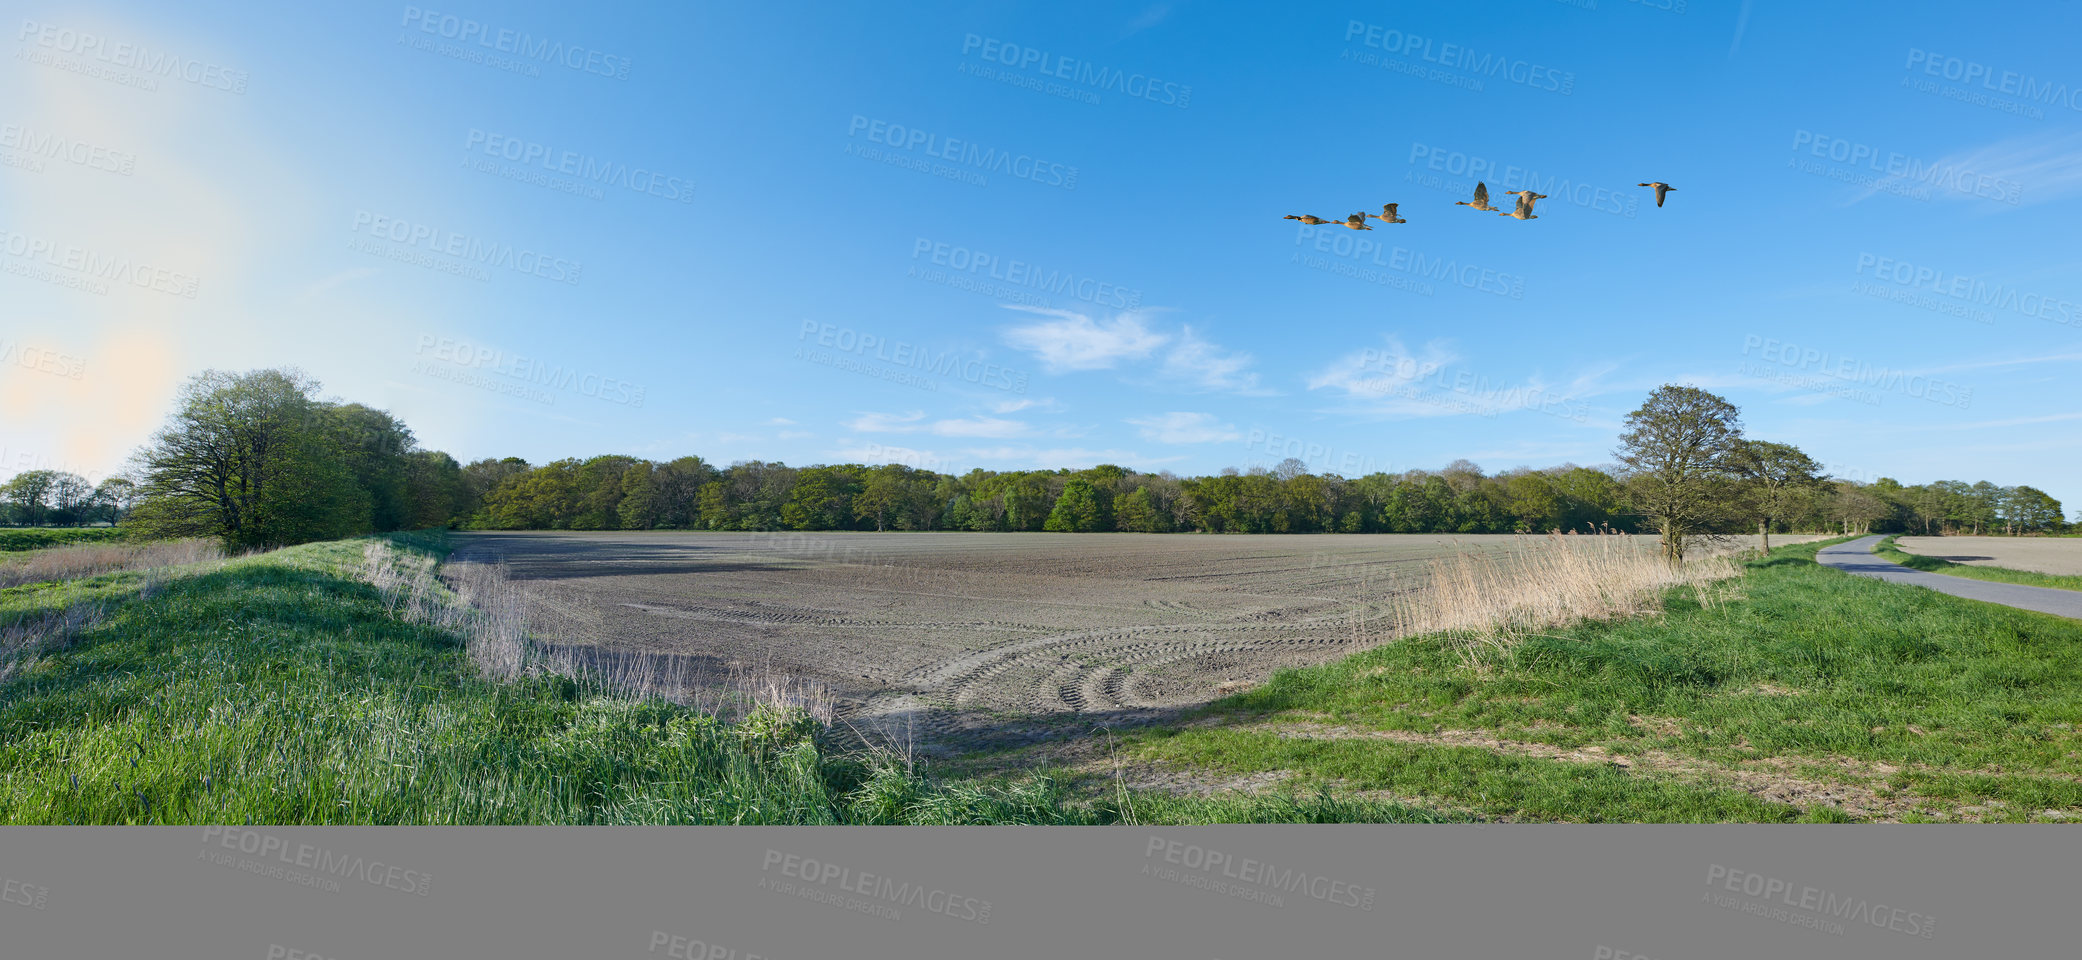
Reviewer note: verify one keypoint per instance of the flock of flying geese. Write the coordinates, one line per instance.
(1523, 210)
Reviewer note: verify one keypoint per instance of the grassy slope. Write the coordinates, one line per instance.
(276, 689)
(2029, 578)
(1909, 694)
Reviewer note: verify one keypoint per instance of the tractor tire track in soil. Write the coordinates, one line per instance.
(955, 642)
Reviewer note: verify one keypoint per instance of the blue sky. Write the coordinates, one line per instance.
(1051, 235)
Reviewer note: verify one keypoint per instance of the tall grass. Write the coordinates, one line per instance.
(1487, 603)
(24, 640)
(88, 559)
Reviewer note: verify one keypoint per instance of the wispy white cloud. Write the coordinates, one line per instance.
(2010, 362)
(2027, 170)
(875, 454)
(886, 422)
(1014, 406)
(1185, 358)
(1395, 381)
(1198, 361)
(1185, 427)
(994, 428)
(1374, 373)
(2012, 422)
(1074, 341)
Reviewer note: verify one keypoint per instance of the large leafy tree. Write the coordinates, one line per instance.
(114, 498)
(484, 476)
(28, 495)
(2030, 510)
(436, 489)
(1077, 510)
(1679, 449)
(1856, 507)
(824, 498)
(250, 459)
(1774, 476)
(1137, 512)
(600, 484)
(548, 497)
(373, 446)
(72, 500)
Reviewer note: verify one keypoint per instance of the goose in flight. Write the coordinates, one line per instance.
(1524, 210)
(1525, 196)
(1388, 214)
(1661, 188)
(1481, 198)
(1357, 221)
(1308, 218)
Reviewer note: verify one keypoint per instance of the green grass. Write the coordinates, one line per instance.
(1927, 701)
(276, 689)
(2029, 578)
(36, 538)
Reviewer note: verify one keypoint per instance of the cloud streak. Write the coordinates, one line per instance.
(2028, 170)
(1070, 341)
(1184, 427)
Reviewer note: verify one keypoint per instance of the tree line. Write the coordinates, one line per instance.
(60, 498)
(258, 459)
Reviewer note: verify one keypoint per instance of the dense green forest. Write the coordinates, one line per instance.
(257, 460)
(613, 492)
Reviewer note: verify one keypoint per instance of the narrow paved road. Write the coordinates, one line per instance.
(1857, 557)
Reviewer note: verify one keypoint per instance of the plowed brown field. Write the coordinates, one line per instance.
(965, 640)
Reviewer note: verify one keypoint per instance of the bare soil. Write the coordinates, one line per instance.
(963, 641)
(2061, 556)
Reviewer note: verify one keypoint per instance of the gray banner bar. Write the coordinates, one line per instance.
(1211, 893)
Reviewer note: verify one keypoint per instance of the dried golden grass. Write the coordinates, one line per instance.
(1487, 603)
(90, 559)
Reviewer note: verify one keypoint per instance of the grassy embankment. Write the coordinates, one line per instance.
(1809, 695)
(2030, 578)
(281, 688)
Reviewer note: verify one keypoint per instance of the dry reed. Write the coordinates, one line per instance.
(90, 559)
(1487, 604)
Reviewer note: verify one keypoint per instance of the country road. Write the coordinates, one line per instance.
(1857, 557)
